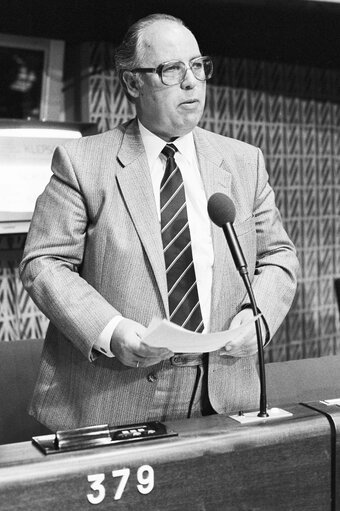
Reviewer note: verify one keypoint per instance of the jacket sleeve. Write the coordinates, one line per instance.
(276, 269)
(53, 256)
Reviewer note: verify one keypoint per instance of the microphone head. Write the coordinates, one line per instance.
(221, 209)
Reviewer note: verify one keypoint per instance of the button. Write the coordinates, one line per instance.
(151, 378)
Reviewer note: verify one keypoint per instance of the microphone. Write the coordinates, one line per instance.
(221, 210)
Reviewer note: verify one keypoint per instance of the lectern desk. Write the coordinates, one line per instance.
(214, 463)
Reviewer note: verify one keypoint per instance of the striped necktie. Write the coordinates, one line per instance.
(184, 306)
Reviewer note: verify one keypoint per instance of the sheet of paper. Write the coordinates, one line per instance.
(164, 334)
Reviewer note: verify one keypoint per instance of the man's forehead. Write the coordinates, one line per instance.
(167, 40)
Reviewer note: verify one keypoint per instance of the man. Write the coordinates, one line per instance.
(97, 260)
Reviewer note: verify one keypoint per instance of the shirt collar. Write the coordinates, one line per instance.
(153, 144)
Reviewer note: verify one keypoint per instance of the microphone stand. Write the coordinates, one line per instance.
(262, 373)
(274, 413)
(241, 266)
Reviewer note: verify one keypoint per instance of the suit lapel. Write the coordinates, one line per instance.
(135, 182)
(216, 176)
(136, 186)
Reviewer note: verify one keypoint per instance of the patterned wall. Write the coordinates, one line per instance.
(19, 317)
(293, 114)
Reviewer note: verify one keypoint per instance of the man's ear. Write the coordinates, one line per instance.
(131, 83)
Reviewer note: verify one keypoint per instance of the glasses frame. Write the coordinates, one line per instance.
(160, 67)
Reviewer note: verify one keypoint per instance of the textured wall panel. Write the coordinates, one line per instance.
(19, 316)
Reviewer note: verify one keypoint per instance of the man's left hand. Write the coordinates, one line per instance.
(245, 344)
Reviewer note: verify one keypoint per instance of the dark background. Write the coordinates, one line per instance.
(295, 31)
(21, 72)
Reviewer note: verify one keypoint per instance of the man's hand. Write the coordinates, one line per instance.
(127, 345)
(246, 344)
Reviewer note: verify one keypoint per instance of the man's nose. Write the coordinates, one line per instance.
(189, 81)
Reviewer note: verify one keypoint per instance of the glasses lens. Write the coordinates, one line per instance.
(202, 67)
(173, 72)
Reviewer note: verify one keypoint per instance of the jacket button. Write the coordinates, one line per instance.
(151, 378)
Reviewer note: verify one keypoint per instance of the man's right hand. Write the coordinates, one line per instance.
(127, 345)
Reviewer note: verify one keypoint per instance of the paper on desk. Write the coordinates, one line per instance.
(164, 334)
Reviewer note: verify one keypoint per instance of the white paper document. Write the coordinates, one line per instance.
(164, 334)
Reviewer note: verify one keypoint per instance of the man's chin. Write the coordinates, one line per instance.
(188, 124)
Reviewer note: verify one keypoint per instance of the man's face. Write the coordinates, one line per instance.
(169, 111)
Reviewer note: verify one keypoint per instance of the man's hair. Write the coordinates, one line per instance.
(129, 54)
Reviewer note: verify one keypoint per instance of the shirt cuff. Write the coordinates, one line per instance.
(103, 343)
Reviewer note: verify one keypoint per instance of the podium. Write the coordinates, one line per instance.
(213, 463)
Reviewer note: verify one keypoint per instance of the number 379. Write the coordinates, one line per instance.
(145, 480)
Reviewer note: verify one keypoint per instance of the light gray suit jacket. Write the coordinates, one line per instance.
(94, 249)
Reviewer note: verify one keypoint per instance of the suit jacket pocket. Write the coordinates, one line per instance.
(244, 227)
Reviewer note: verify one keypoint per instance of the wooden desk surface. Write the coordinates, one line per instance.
(214, 463)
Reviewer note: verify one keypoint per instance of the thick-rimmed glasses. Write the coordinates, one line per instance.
(174, 71)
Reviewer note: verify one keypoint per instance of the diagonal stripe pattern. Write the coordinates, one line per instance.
(184, 304)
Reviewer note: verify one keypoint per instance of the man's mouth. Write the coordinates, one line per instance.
(189, 102)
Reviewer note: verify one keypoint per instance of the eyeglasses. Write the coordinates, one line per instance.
(174, 71)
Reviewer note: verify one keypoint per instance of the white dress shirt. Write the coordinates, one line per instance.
(199, 222)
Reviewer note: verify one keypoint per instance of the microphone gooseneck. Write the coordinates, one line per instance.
(222, 212)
